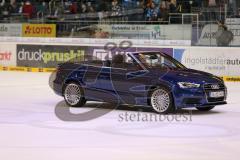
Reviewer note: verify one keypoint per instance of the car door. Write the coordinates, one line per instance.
(129, 81)
(92, 80)
(107, 88)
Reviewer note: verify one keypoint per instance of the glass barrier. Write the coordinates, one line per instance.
(205, 26)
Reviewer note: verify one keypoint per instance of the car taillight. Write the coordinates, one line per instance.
(57, 69)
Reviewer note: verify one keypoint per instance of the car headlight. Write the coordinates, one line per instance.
(188, 85)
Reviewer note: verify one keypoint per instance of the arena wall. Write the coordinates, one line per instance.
(42, 55)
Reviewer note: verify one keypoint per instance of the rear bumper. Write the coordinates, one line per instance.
(57, 88)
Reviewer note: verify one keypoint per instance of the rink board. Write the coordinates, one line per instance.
(43, 55)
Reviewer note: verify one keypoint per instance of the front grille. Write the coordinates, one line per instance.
(220, 86)
(213, 88)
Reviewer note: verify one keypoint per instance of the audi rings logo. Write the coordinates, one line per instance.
(215, 86)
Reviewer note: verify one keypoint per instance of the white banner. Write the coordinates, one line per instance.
(11, 30)
(160, 32)
(216, 60)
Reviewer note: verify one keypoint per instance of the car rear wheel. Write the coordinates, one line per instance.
(162, 101)
(205, 108)
(73, 95)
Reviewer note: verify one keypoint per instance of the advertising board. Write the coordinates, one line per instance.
(159, 32)
(39, 30)
(8, 55)
(216, 60)
(101, 53)
(209, 32)
(47, 56)
(10, 30)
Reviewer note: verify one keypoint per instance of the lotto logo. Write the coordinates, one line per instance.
(39, 30)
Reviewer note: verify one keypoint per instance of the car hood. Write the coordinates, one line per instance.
(189, 75)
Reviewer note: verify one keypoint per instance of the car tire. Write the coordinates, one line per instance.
(205, 108)
(74, 95)
(161, 100)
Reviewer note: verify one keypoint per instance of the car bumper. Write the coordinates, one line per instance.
(184, 105)
(186, 98)
(57, 88)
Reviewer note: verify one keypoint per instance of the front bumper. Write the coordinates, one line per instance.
(198, 97)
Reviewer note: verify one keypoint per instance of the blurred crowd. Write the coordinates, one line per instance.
(153, 9)
(156, 10)
(37, 8)
(159, 10)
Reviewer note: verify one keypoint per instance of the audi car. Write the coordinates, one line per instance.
(149, 79)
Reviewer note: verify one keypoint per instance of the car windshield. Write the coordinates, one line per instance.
(158, 60)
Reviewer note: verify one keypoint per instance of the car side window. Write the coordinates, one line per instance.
(124, 62)
(132, 64)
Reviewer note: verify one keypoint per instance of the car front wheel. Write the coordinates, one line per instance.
(73, 95)
(205, 108)
(162, 101)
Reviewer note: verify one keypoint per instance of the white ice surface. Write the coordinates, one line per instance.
(29, 129)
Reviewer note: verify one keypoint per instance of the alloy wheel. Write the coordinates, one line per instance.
(160, 100)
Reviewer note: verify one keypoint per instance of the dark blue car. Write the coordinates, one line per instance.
(150, 79)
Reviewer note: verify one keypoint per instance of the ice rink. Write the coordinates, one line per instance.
(29, 128)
